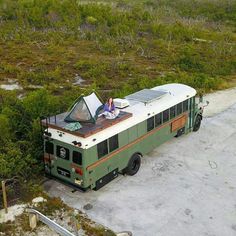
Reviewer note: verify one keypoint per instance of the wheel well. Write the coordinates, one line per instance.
(198, 114)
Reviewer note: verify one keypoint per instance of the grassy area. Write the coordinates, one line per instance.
(118, 45)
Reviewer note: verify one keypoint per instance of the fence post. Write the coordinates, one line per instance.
(33, 220)
(4, 196)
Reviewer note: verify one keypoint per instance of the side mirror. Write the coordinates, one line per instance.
(207, 103)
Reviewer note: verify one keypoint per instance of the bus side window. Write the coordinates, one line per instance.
(102, 149)
(49, 147)
(185, 105)
(166, 115)
(150, 123)
(158, 119)
(179, 108)
(113, 143)
(77, 158)
(63, 152)
(172, 112)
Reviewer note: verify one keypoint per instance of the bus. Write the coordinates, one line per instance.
(84, 149)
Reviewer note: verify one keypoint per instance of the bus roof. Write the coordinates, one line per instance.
(171, 94)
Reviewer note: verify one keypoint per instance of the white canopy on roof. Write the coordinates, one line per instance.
(93, 103)
(85, 109)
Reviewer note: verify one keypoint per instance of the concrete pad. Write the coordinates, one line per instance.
(219, 101)
(184, 187)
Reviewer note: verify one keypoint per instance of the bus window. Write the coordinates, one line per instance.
(158, 119)
(63, 152)
(166, 115)
(102, 149)
(179, 108)
(185, 105)
(172, 112)
(113, 143)
(77, 158)
(150, 123)
(49, 148)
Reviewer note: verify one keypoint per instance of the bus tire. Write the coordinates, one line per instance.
(180, 132)
(197, 123)
(133, 165)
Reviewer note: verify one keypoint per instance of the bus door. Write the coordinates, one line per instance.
(61, 163)
(191, 111)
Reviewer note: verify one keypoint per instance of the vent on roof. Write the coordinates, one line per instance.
(120, 103)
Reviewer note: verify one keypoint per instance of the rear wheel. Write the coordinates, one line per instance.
(133, 165)
(197, 123)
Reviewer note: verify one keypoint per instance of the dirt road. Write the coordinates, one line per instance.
(185, 187)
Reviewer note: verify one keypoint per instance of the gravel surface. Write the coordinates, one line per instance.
(186, 187)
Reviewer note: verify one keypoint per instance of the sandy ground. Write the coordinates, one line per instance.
(186, 187)
(13, 211)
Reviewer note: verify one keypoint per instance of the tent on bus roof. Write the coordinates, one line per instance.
(85, 109)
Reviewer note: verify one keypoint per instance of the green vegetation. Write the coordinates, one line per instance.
(115, 43)
(117, 47)
(55, 209)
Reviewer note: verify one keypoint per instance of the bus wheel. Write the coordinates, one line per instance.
(180, 132)
(197, 123)
(133, 165)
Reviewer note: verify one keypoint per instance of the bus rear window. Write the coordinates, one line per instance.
(63, 152)
(49, 147)
(77, 158)
(166, 115)
(102, 149)
(150, 123)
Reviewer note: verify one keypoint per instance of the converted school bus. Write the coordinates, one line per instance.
(87, 151)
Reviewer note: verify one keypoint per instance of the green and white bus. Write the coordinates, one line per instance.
(84, 149)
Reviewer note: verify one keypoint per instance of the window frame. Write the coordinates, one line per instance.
(172, 112)
(80, 163)
(46, 149)
(99, 154)
(168, 118)
(178, 112)
(184, 103)
(161, 115)
(152, 120)
(111, 139)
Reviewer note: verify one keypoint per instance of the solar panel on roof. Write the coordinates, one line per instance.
(146, 95)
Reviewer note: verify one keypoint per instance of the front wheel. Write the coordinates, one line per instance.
(197, 123)
(133, 165)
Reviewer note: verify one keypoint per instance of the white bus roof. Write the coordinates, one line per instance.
(165, 96)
